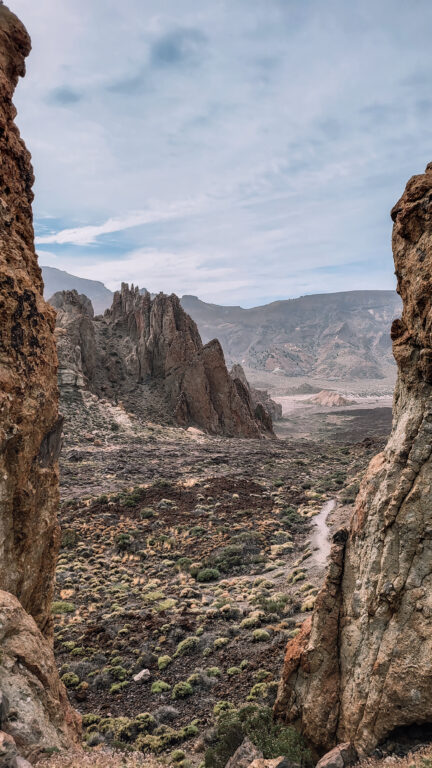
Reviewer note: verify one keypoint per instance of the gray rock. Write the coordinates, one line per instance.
(244, 755)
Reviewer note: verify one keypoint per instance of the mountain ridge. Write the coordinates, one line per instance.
(335, 336)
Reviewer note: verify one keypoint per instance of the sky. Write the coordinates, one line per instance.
(240, 150)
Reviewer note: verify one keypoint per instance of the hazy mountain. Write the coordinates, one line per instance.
(329, 335)
(57, 280)
(333, 336)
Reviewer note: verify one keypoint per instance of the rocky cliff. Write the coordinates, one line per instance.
(30, 433)
(361, 667)
(258, 396)
(148, 353)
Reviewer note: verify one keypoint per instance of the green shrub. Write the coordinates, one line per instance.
(207, 574)
(70, 680)
(261, 635)
(160, 686)
(163, 662)
(61, 606)
(182, 690)
(186, 646)
(117, 687)
(220, 642)
(213, 672)
(272, 738)
(233, 671)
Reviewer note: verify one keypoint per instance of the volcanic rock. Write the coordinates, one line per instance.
(33, 700)
(361, 667)
(30, 429)
(38, 710)
(148, 354)
(258, 396)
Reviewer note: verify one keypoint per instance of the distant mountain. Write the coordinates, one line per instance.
(57, 280)
(336, 336)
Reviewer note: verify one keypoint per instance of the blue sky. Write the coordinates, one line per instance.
(240, 150)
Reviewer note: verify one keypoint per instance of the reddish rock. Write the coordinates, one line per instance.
(365, 668)
(30, 429)
(33, 703)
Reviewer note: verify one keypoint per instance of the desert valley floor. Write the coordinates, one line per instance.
(187, 561)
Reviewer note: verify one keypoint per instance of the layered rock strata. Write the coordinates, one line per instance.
(30, 439)
(147, 352)
(361, 667)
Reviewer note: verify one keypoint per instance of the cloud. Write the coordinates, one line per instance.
(88, 235)
(177, 47)
(64, 96)
(254, 142)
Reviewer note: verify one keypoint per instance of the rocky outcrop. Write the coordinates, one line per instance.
(30, 429)
(75, 339)
(361, 667)
(36, 711)
(258, 396)
(31, 695)
(147, 352)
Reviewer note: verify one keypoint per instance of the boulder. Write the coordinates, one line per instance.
(244, 755)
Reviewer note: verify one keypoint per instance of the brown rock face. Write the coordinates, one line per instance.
(29, 425)
(33, 704)
(363, 667)
(148, 353)
(259, 397)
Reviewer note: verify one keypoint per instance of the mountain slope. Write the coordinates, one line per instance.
(58, 280)
(334, 336)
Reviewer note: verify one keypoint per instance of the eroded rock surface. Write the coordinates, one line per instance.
(362, 667)
(33, 704)
(258, 396)
(38, 713)
(29, 427)
(148, 354)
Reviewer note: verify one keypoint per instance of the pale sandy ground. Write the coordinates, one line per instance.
(301, 403)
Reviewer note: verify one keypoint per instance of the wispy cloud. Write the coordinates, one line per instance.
(89, 234)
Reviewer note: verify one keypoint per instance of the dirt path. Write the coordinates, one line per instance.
(320, 540)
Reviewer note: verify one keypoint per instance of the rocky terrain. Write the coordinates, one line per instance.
(33, 704)
(337, 336)
(345, 676)
(187, 561)
(148, 354)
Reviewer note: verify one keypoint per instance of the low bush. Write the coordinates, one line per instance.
(272, 738)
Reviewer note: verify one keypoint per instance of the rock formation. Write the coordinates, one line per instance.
(258, 396)
(148, 353)
(362, 665)
(30, 436)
